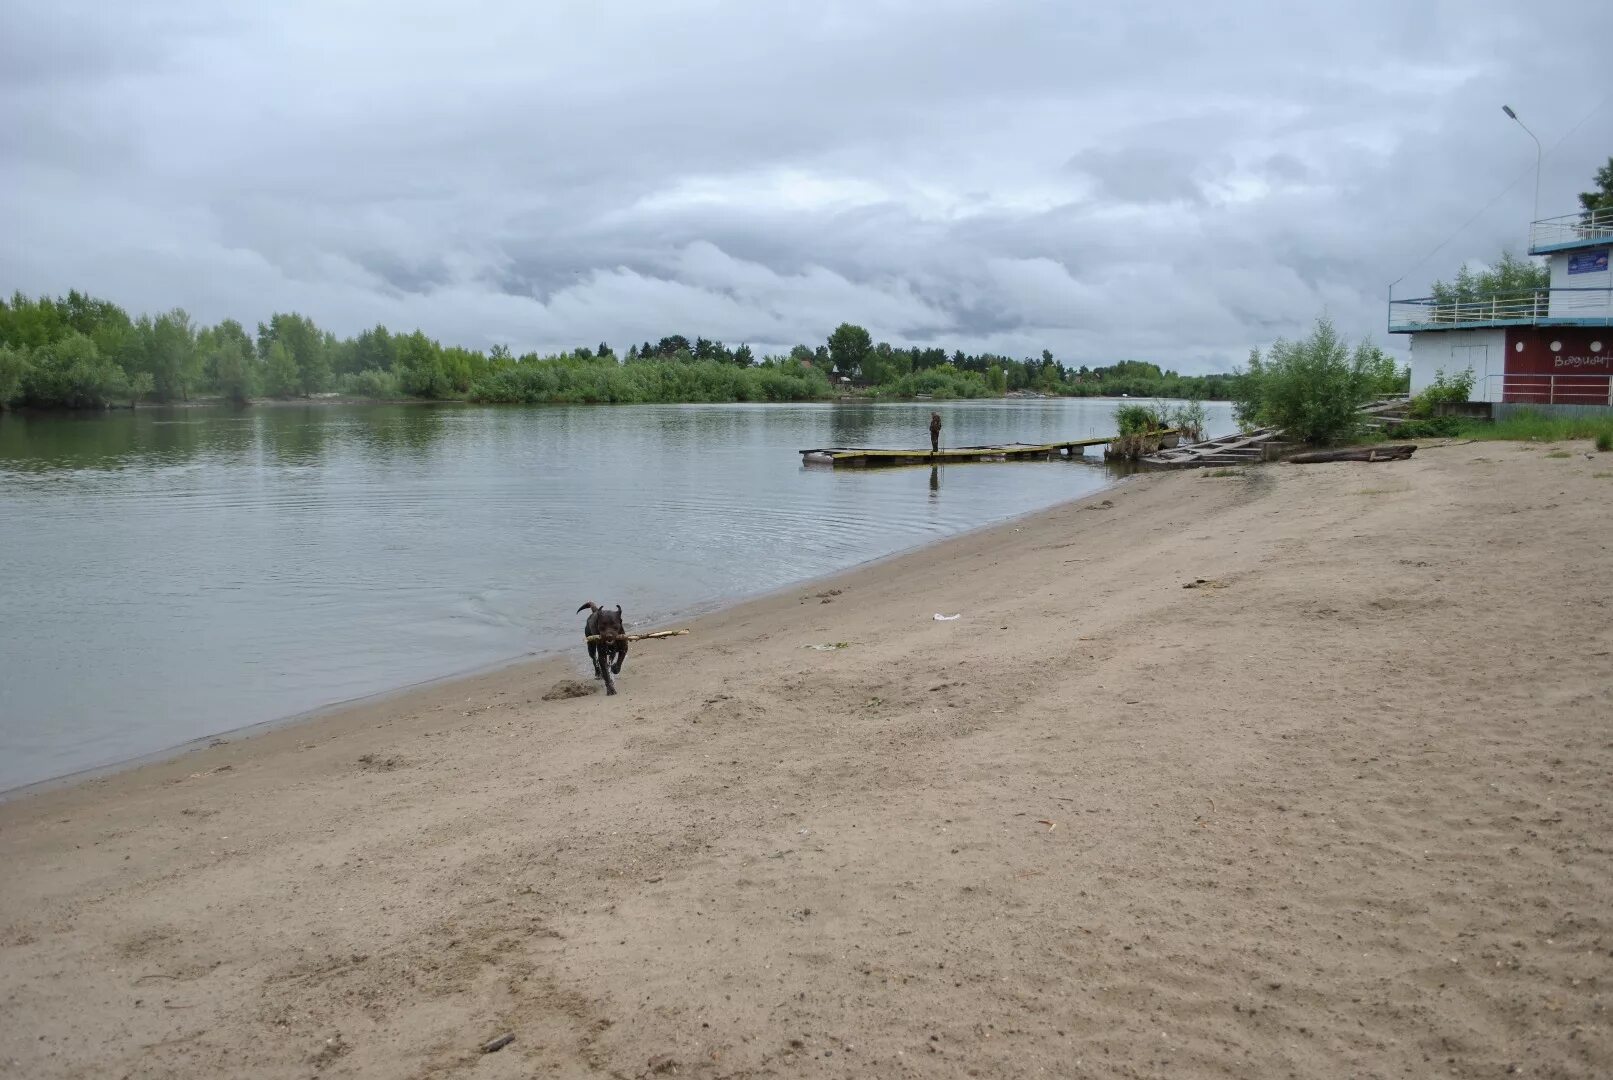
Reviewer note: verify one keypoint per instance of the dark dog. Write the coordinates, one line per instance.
(610, 651)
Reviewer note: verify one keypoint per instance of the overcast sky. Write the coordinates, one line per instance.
(1173, 182)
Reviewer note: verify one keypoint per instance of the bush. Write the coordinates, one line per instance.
(14, 367)
(940, 382)
(1189, 419)
(1138, 420)
(1436, 427)
(370, 383)
(1387, 379)
(1454, 388)
(599, 382)
(1311, 389)
(71, 373)
(1138, 428)
(1604, 442)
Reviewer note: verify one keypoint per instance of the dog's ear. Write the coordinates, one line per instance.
(618, 611)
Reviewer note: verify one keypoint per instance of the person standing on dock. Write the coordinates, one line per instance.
(935, 433)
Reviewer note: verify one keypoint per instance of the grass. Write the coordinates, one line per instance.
(1560, 454)
(1525, 427)
(1538, 427)
(1602, 476)
(1224, 472)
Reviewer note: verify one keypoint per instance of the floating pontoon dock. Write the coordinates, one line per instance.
(862, 458)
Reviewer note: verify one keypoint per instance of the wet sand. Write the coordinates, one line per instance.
(1343, 809)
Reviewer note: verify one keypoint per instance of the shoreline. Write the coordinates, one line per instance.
(1272, 773)
(338, 399)
(334, 709)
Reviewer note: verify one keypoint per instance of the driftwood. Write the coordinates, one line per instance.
(595, 638)
(1397, 452)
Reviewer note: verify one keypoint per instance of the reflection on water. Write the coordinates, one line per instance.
(171, 574)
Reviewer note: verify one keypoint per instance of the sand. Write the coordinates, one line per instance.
(1341, 811)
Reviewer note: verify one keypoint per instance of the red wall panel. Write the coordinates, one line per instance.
(1563, 365)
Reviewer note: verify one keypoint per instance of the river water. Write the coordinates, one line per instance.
(173, 574)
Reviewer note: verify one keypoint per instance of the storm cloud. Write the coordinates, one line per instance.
(1173, 182)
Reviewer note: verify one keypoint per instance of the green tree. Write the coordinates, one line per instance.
(31, 323)
(233, 373)
(169, 347)
(1311, 389)
(14, 367)
(743, 357)
(307, 345)
(374, 350)
(879, 365)
(421, 368)
(1600, 197)
(280, 374)
(849, 347)
(460, 367)
(226, 339)
(71, 373)
(102, 321)
(1386, 376)
(1509, 276)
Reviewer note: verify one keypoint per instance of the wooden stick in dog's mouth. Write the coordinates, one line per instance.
(596, 638)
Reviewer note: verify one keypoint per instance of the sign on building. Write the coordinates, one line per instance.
(1588, 262)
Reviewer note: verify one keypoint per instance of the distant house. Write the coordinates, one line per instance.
(1550, 346)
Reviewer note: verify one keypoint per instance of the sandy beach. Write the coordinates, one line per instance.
(1342, 809)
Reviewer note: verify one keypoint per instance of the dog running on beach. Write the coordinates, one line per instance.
(610, 651)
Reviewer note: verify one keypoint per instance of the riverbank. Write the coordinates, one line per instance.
(858, 398)
(1339, 810)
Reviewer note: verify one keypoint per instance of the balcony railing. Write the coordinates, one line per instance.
(1533, 307)
(1552, 234)
(1546, 389)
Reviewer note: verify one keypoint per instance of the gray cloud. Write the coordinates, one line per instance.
(1174, 183)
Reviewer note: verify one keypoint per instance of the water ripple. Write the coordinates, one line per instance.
(172, 576)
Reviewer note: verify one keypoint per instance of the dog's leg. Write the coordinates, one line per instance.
(604, 673)
(621, 657)
(595, 654)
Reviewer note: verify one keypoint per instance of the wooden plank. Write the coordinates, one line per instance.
(855, 456)
(1241, 448)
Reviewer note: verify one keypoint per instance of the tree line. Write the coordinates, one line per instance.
(81, 352)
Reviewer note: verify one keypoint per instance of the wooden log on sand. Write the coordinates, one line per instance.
(593, 638)
(1398, 452)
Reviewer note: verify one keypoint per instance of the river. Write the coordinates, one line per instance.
(173, 574)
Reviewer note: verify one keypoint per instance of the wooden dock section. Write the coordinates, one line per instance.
(1244, 448)
(855, 457)
(1265, 444)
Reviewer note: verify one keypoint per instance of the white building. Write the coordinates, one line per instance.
(1551, 346)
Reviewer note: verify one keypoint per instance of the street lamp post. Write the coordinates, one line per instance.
(1538, 155)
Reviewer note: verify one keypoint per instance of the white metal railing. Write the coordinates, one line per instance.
(1534, 306)
(1571, 229)
(1549, 388)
